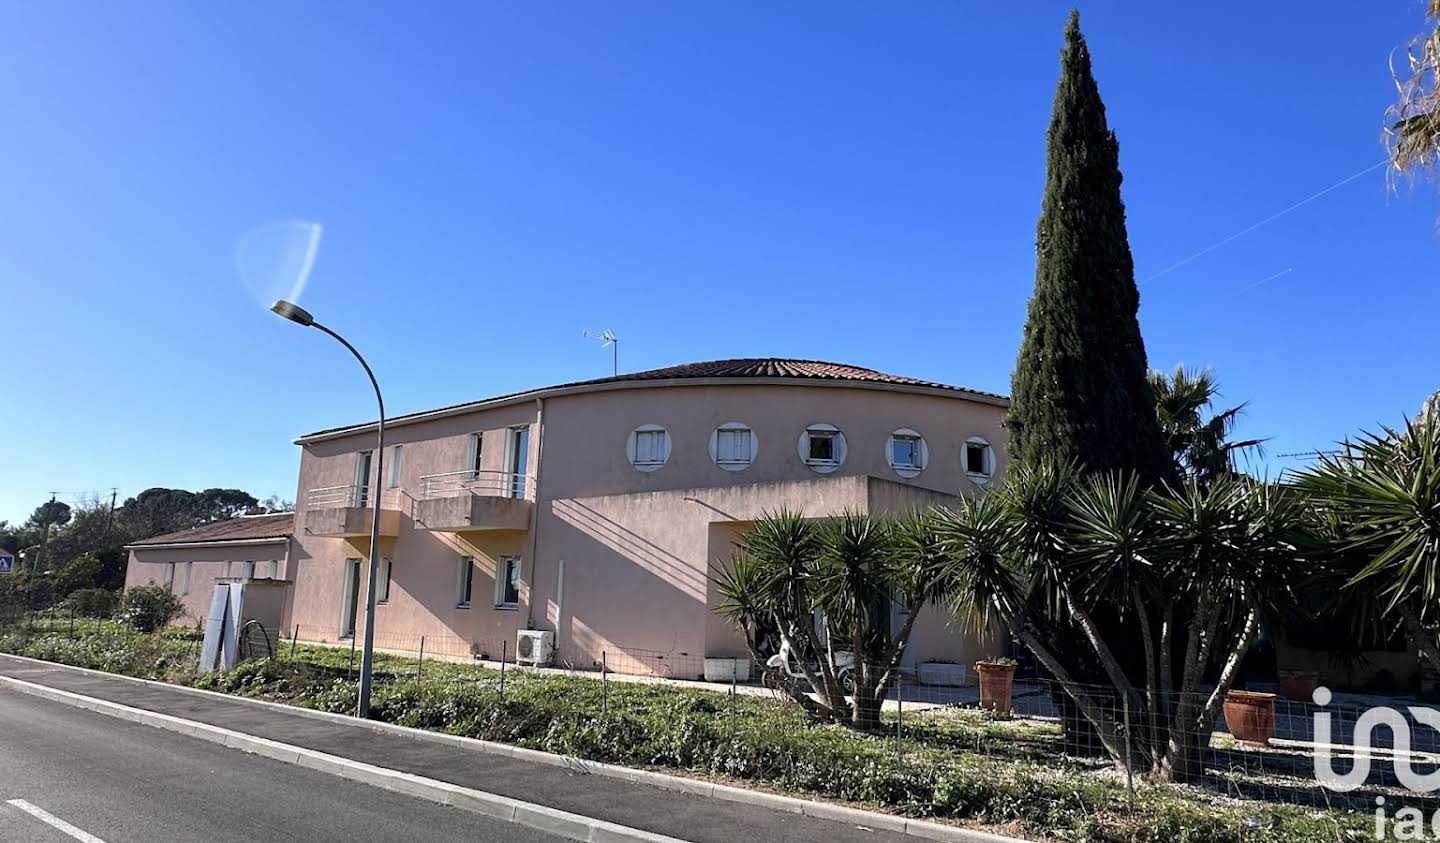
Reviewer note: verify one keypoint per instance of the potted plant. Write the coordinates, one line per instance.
(1250, 716)
(1299, 685)
(997, 682)
(941, 672)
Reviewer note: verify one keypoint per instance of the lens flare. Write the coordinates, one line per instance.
(274, 260)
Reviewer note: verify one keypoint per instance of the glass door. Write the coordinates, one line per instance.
(363, 461)
(519, 460)
(350, 598)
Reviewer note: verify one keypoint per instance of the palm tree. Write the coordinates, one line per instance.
(1201, 446)
(1381, 493)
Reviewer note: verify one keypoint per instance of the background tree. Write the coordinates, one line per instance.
(1079, 392)
(1200, 447)
(1413, 133)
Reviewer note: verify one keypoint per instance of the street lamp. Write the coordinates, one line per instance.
(301, 316)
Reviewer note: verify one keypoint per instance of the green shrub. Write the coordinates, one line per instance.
(147, 608)
(93, 602)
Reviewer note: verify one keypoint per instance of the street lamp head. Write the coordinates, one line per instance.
(294, 312)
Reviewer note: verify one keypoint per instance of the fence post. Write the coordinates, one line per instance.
(899, 712)
(504, 648)
(294, 637)
(604, 685)
(420, 664)
(1129, 757)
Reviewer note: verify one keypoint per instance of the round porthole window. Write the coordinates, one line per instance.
(648, 447)
(822, 447)
(907, 453)
(978, 459)
(733, 446)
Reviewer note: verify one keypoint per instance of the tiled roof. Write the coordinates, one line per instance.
(251, 527)
(740, 368)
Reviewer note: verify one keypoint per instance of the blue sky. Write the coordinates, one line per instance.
(840, 181)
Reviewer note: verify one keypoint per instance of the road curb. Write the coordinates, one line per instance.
(539, 817)
(698, 787)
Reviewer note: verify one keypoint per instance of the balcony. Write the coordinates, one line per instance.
(345, 512)
(474, 500)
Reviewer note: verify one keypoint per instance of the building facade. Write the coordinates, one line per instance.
(596, 510)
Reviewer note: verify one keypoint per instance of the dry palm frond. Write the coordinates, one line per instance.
(1412, 134)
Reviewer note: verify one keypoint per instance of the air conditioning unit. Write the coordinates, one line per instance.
(534, 647)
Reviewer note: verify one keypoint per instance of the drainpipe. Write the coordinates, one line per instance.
(535, 512)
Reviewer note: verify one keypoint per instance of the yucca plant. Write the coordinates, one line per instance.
(1198, 566)
(1381, 495)
(829, 586)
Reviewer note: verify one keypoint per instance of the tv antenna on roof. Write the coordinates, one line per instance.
(607, 338)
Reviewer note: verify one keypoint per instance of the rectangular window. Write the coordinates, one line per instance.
(464, 580)
(363, 461)
(822, 446)
(185, 578)
(272, 569)
(395, 466)
(249, 570)
(732, 446)
(507, 582)
(649, 447)
(976, 461)
(905, 452)
(225, 572)
(169, 575)
(382, 581)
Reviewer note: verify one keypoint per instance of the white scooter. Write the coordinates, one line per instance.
(784, 669)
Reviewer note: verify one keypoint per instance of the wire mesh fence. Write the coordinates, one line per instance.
(1330, 751)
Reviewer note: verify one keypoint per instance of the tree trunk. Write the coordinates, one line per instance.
(1425, 640)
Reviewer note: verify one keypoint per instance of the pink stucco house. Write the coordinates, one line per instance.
(592, 511)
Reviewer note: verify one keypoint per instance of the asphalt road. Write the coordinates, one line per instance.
(118, 781)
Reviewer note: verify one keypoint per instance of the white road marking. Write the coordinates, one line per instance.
(54, 822)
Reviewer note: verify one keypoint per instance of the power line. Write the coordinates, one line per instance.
(1273, 217)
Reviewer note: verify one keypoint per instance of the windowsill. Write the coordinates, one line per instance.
(978, 478)
(507, 607)
(462, 605)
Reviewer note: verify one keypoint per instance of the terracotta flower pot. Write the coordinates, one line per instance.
(997, 682)
(1250, 716)
(1298, 685)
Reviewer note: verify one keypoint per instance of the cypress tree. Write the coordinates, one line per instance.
(1079, 390)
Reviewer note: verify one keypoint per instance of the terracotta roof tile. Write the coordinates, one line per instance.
(276, 526)
(739, 368)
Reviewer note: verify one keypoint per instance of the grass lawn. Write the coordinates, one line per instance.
(952, 764)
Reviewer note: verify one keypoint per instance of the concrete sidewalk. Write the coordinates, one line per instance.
(471, 764)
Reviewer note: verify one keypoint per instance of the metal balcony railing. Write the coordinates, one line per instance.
(494, 484)
(351, 494)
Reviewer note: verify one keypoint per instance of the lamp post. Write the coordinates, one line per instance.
(300, 316)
